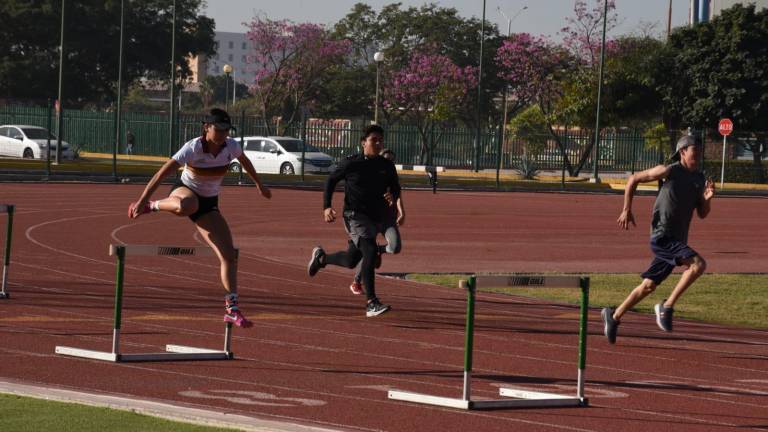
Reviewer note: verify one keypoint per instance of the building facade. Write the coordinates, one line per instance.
(233, 50)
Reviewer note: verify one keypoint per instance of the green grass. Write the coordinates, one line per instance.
(735, 299)
(23, 414)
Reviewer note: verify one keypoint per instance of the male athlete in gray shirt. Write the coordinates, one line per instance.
(685, 189)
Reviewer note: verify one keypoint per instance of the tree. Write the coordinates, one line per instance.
(562, 80)
(401, 33)
(290, 61)
(427, 91)
(29, 57)
(718, 69)
(536, 72)
(531, 127)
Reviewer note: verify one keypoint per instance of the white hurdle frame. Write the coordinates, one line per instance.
(7, 208)
(522, 398)
(173, 352)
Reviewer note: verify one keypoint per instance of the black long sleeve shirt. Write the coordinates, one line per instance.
(366, 181)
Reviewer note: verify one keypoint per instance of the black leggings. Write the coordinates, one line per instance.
(365, 250)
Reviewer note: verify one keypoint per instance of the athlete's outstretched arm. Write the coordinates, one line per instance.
(251, 171)
(656, 173)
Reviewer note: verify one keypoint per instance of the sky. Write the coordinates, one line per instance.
(541, 17)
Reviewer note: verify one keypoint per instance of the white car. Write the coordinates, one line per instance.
(283, 155)
(29, 142)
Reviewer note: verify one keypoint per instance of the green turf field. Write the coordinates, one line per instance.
(22, 414)
(734, 299)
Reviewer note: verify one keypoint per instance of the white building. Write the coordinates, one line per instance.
(232, 49)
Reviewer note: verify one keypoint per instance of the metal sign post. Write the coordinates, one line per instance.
(725, 127)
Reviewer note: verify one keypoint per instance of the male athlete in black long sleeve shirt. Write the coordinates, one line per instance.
(371, 187)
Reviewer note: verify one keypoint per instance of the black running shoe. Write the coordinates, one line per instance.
(314, 263)
(375, 308)
(611, 325)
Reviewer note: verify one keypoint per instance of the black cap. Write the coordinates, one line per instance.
(219, 119)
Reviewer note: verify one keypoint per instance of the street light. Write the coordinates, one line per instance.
(506, 97)
(595, 176)
(479, 92)
(378, 57)
(227, 70)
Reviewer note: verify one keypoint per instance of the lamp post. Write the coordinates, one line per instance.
(60, 101)
(172, 85)
(595, 177)
(506, 100)
(119, 111)
(234, 86)
(378, 58)
(227, 70)
(479, 93)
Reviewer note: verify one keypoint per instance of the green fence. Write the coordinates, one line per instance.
(622, 150)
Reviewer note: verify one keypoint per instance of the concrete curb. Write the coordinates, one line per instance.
(156, 409)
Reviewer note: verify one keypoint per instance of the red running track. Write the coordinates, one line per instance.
(314, 359)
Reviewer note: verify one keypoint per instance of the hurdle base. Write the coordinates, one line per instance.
(5, 295)
(175, 353)
(523, 399)
(429, 399)
(540, 399)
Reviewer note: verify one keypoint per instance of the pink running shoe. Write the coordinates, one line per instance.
(147, 208)
(236, 317)
(356, 288)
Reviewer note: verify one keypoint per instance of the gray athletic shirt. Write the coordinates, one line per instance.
(682, 193)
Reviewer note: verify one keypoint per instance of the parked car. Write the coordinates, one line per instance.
(29, 142)
(283, 155)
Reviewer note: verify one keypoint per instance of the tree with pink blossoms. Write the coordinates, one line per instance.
(428, 92)
(562, 80)
(536, 71)
(583, 34)
(290, 61)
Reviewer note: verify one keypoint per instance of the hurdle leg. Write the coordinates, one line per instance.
(120, 251)
(4, 294)
(464, 402)
(584, 282)
(228, 338)
(113, 356)
(469, 337)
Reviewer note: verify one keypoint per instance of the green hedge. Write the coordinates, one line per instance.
(737, 171)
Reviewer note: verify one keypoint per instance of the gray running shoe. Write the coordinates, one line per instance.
(314, 262)
(611, 325)
(664, 316)
(375, 308)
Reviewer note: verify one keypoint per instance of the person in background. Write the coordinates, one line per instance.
(389, 228)
(371, 187)
(130, 140)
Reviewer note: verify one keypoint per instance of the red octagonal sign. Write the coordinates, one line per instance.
(725, 127)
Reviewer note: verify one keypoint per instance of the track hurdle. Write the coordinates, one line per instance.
(7, 208)
(521, 398)
(173, 352)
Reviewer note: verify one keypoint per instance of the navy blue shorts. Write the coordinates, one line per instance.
(204, 204)
(669, 253)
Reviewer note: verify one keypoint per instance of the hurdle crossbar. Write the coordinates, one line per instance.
(520, 398)
(173, 352)
(7, 208)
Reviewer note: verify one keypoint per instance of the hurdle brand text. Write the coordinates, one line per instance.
(525, 280)
(175, 250)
